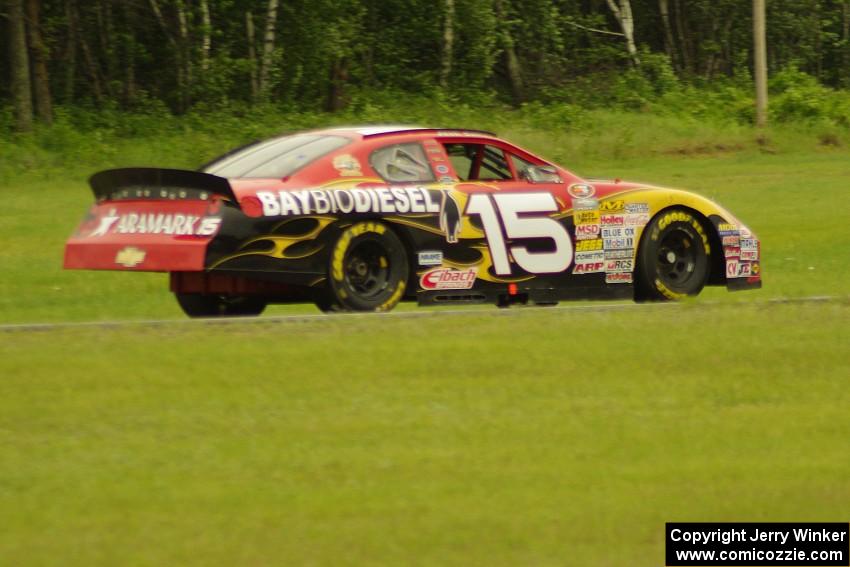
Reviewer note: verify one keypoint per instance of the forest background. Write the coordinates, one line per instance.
(129, 68)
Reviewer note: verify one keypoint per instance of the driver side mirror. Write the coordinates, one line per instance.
(541, 174)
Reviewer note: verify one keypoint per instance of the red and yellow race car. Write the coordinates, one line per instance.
(358, 219)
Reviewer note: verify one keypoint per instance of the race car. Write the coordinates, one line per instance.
(361, 218)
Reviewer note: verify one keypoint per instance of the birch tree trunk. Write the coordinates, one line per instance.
(268, 48)
(178, 52)
(626, 19)
(669, 44)
(845, 53)
(511, 59)
(682, 32)
(92, 69)
(20, 67)
(39, 55)
(448, 44)
(70, 58)
(128, 52)
(206, 35)
(336, 85)
(184, 55)
(252, 54)
(760, 58)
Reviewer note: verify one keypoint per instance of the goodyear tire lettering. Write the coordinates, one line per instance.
(394, 298)
(673, 279)
(342, 294)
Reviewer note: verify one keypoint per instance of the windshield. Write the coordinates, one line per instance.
(276, 158)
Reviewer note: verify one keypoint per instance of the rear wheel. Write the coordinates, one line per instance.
(202, 305)
(368, 270)
(673, 262)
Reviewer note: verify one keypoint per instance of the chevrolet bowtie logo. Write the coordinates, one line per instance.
(130, 257)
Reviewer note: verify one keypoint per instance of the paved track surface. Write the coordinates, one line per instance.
(419, 313)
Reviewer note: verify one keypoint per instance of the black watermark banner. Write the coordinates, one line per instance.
(748, 543)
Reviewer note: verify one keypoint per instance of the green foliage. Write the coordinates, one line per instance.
(621, 115)
(798, 97)
(326, 53)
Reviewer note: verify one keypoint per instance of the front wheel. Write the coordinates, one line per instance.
(367, 270)
(673, 261)
(203, 305)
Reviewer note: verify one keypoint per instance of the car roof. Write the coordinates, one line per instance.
(393, 129)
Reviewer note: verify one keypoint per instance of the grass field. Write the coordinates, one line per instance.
(539, 437)
(526, 437)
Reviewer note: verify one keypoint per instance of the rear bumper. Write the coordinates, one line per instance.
(147, 236)
(137, 256)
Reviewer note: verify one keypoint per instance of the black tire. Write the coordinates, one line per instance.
(674, 257)
(367, 270)
(200, 305)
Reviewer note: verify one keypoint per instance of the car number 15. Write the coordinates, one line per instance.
(509, 215)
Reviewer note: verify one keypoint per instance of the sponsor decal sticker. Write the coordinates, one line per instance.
(618, 243)
(156, 223)
(585, 204)
(731, 240)
(130, 257)
(617, 232)
(430, 258)
(749, 255)
(385, 200)
(442, 169)
(448, 278)
(625, 253)
(587, 231)
(732, 252)
(637, 219)
(726, 229)
(581, 190)
(347, 165)
(588, 245)
(586, 217)
(749, 244)
(732, 268)
(638, 208)
(613, 220)
(619, 266)
(590, 257)
(588, 267)
(612, 206)
(737, 269)
(618, 278)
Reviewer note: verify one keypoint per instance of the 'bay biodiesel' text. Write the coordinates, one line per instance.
(385, 200)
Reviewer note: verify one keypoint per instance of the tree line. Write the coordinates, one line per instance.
(314, 53)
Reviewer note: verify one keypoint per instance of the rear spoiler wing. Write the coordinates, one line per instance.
(155, 183)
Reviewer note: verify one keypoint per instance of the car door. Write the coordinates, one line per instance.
(522, 218)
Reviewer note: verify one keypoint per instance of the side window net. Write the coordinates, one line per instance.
(478, 162)
(494, 166)
(402, 163)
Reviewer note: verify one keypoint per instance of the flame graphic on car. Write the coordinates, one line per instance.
(281, 243)
(484, 265)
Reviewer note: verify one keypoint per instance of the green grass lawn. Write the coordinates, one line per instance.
(536, 437)
(794, 201)
(532, 437)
